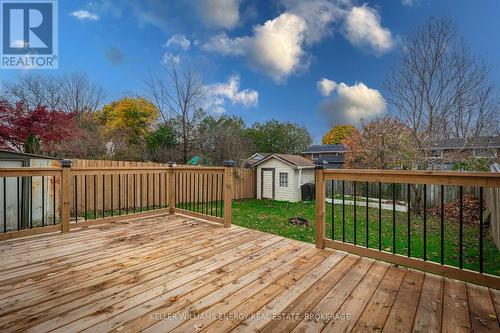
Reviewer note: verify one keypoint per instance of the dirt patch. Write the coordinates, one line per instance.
(452, 210)
(298, 221)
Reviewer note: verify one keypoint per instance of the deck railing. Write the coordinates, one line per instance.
(409, 233)
(42, 200)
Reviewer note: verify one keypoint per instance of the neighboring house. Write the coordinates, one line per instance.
(249, 162)
(280, 176)
(332, 156)
(451, 151)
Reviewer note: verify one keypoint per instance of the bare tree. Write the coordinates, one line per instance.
(441, 90)
(71, 93)
(80, 95)
(179, 97)
(35, 90)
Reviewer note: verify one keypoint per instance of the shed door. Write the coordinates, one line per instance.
(267, 183)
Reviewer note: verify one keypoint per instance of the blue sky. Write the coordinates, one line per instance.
(316, 62)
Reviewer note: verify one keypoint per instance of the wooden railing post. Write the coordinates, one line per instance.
(171, 188)
(320, 205)
(65, 195)
(228, 192)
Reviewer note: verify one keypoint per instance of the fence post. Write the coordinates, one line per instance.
(228, 192)
(320, 205)
(65, 195)
(171, 188)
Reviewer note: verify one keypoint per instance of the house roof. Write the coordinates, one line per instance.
(325, 149)
(460, 143)
(293, 160)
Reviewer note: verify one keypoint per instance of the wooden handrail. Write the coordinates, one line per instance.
(483, 179)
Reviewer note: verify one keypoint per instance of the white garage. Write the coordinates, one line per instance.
(280, 177)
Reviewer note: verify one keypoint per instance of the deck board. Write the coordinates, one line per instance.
(176, 273)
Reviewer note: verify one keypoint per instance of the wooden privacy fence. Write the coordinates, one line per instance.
(41, 200)
(244, 179)
(413, 239)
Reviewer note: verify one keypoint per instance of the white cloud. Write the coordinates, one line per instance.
(220, 13)
(363, 29)
(84, 15)
(326, 87)
(410, 2)
(278, 48)
(180, 41)
(221, 93)
(318, 15)
(351, 104)
(170, 57)
(275, 48)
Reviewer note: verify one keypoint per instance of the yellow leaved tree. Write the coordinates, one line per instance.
(338, 134)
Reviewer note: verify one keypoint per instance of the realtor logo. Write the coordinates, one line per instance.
(29, 34)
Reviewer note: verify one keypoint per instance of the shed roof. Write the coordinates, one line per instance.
(293, 160)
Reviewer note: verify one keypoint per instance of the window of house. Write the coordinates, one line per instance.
(316, 155)
(283, 179)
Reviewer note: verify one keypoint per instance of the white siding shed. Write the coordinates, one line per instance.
(280, 177)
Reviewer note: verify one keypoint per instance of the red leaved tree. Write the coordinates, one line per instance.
(35, 131)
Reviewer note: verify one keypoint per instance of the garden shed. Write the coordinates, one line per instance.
(280, 176)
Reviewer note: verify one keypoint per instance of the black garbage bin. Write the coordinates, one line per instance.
(308, 192)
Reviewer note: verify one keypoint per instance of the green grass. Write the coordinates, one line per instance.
(272, 217)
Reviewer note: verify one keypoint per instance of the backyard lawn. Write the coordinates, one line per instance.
(273, 216)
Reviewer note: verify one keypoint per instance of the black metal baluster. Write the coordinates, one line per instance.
(112, 196)
(43, 201)
(75, 188)
(159, 190)
(343, 211)
(367, 214)
(425, 222)
(442, 224)
(212, 197)
(408, 219)
(481, 231)
(84, 194)
(154, 190)
(222, 196)
(120, 194)
(135, 192)
(19, 205)
(103, 195)
(461, 241)
(380, 216)
(4, 204)
(141, 191)
(95, 200)
(147, 191)
(31, 201)
(355, 211)
(202, 193)
(198, 183)
(54, 201)
(393, 218)
(333, 210)
(23, 224)
(217, 195)
(126, 193)
(206, 199)
(190, 193)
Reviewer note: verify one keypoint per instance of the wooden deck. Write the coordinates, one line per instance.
(173, 273)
